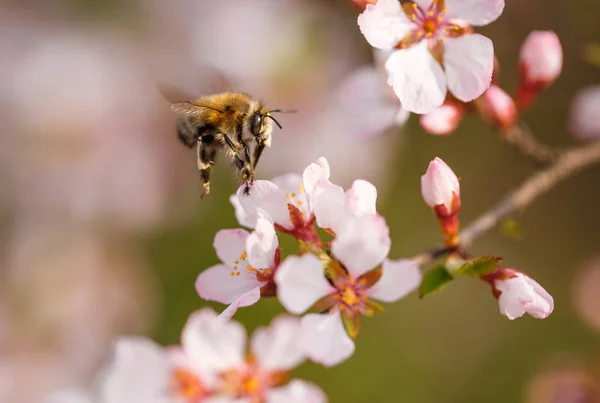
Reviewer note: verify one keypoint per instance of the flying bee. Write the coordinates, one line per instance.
(229, 122)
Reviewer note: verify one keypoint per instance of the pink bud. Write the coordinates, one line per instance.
(443, 120)
(518, 294)
(440, 188)
(362, 4)
(540, 63)
(497, 107)
(585, 114)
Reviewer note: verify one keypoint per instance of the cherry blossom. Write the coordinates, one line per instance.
(286, 198)
(540, 64)
(585, 114)
(215, 352)
(342, 285)
(249, 261)
(139, 372)
(440, 187)
(435, 49)
(518, 294)
(444, 119)
(497, 108)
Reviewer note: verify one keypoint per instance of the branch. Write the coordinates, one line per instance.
(566, 165)
(523, 141)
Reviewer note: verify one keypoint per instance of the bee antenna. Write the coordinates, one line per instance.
(284, 110)
(275, 120)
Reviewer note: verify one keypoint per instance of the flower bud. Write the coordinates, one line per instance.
(540, 63)
(441, 192)
(444, 119)
(518, 294)
(497, 108)
(362, 4)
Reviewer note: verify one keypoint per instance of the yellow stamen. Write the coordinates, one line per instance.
(349, 297)
(237, 273)
(244, 255)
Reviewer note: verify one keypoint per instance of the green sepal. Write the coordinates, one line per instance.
(351, 320)
(478, 267)
(434, 280)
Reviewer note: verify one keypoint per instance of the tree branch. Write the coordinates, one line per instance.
(522, 140)
(566, 165)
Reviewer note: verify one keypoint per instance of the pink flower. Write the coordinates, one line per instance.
(139, 372)
(357, 252)
(440, 188)
(216, 353)
(249, 261)
(585, 114)
(518, 294)
(498, 108)
(287, 199)
(444, 119)
(421, 32)
(540, 63)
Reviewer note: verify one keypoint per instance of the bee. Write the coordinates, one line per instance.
(230, 122)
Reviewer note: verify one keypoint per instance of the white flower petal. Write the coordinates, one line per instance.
(469, 62)
(297, 391)
(328, 204)
(226, 399)
(262, 243)
(384, 24)
(230, 244)
(292, 186)
(139, 372)
(212, 344)
(439, 185)
(520, 295)
(278, 347)
(69, 396)
(585, 114)
(363, 243)
(324, 338)
(475, 12)
(399, 278)
(222, 284)
(417, 78)
(244, 217)
(314, 173)
(247, 299)
(442, 120)
(301, 282)
(361, 199)
(265, 195)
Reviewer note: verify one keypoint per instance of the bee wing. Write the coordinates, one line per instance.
(204, 82)
(193, 108)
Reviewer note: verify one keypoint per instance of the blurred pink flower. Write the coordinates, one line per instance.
(444, 119)
(301, 283)
(585, 114)
(216, 349)
(417, 77)
(249, 261)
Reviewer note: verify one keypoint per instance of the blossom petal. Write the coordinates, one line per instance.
(325, 339)
(301, 282)
(328, 204)
(384, 24)
(230, 245)
(69, 396)
(443, 120)
(314, 173)
(399, 278)
(291, 184)
(265, 195)
(278, 347)
(297, 391)
(363, 243)
(139, 372)
(222, 284)
(361, 198)
(247, 299)
(475, 12)
(417, 78)
(212, 344)
(520, 295)
(262, 243)
(243, 216)
(469, 62)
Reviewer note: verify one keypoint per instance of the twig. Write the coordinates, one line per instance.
(523, 141)
(567, 164)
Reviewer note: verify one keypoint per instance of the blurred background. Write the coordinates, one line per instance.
(103, 231)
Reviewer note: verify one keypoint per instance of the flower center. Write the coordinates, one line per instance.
(187, 385)
(430, 26)
(350, 297)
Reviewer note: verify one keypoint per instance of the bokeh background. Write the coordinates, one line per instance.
(103, 232)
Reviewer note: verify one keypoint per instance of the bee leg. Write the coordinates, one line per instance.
(204, 166)
(257, 153)
(245, 167)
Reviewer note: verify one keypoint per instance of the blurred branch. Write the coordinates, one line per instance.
(565, 165)
(522, 140)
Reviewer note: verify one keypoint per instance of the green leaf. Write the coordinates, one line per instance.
(434, 280)
(478, 267)
(510, 228)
